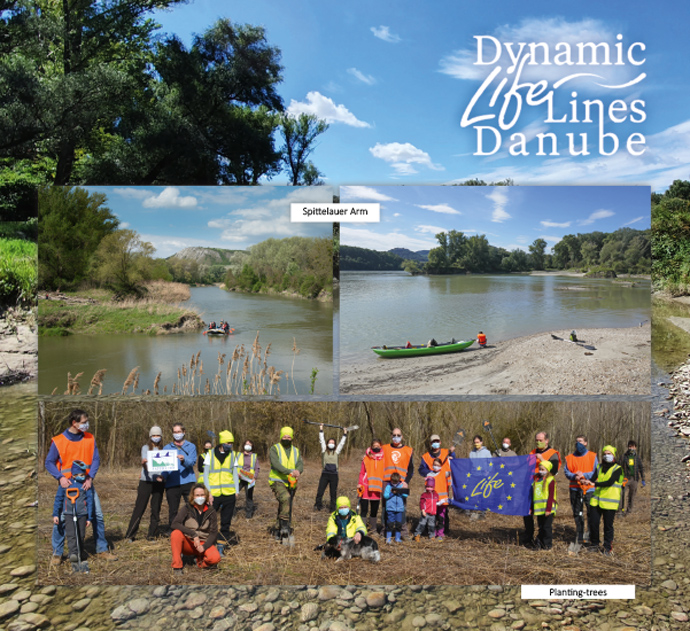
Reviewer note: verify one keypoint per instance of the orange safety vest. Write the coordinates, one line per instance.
(547, 454)
(581, 463)
(396, 459)
(374, 470)
(443, 457)
(481, 338)
(74, 450)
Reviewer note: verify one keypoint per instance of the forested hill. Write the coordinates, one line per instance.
(362, 259)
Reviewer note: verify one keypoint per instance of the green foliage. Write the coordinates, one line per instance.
(411, 267)
(72, 225)
(18, 280)
(671, 243)
(353, 258)
(19, 182)
(122, 263)
(312, 380)
(299, 264)
(299, 135)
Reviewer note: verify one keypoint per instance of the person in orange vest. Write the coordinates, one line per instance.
(582, 463)
(370, 484)
(428, 467)
(76, 443)
(543, 452)
(481, 339)
(397, 458)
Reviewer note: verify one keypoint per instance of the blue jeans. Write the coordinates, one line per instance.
(98, 530)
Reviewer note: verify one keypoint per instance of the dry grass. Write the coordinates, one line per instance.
(478, 552)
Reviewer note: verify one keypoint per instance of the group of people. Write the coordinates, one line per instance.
(224, 326)
(201, 506)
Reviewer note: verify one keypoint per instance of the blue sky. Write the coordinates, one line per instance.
(393, 79)
(232, 217)
(510, 216)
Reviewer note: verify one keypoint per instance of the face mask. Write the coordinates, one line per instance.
(227, 446)
(437, 468)
(247, 447)
(541, 444)
(633, 450)
(477, 447)
(83, 427)
(286, 442)
(80, 478)
(580, 448)
(506, 446)
(343, 512)
(435, 445)
(376, 449)
(155, 439)
(541, 473)
(331, 446)
(200, 501)
(396, 440)
(178, 436)
(608, 457)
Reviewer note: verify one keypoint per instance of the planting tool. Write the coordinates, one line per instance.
(459, 437)
(72, 495)
(349, 429)
(487, 427)
(289, 540)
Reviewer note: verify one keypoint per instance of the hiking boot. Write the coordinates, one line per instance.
(106, 556)
(317, 508)
(55, 560)
(606, 552)
(416, 538)
(284, 529)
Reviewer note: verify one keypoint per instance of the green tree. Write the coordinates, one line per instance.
(72, 224)
(537, 250)
(299, 134)
(123, 262)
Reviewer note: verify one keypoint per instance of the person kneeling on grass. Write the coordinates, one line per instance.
(195, 531)
(346, 535)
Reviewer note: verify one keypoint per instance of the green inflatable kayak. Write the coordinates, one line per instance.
(414, 351)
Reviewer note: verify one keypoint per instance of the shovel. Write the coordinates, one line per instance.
(289, 541)
(487, 427)
(73, 494)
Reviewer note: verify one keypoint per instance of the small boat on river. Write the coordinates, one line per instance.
(218, 331)
(391, 352)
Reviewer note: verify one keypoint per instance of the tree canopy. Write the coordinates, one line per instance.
(93, 94)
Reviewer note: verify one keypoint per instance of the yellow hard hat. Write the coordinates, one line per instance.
(226, 437)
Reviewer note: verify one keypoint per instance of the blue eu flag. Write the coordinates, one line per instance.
(501, 485)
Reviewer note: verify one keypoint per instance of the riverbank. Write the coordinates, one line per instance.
(325, 295)
(608, 361)
(18, 346)
(95, 313)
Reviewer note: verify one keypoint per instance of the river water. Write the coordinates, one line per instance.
(279, 320)
(393, 307)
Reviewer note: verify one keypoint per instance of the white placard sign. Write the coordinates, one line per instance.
(162, 461)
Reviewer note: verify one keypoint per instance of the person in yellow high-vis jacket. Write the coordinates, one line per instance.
(220, 478)
(286, 460)
(544, 504)
(608, 485)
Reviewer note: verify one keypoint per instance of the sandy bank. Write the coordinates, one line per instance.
(18, 346)
(619, 363)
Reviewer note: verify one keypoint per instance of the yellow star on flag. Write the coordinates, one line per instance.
(512, 486)
(469, 475)
(510, 473)
(467, 499)
(503, 466)
(509, 498)
(479, 468)
(491, 464)
(500, 507)
(464, 486)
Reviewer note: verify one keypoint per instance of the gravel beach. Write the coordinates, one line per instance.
(606, 362)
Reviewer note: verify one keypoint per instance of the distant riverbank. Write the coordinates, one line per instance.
(95, 313)
(608, 361)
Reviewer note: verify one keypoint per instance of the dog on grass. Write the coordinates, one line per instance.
(367, 548)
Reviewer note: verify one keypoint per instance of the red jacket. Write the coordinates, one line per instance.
(428, 502)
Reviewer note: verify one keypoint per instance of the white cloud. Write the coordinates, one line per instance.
(325, 109)
(170, 197)
(402, 156)
(360, 76)
(632, 221)
(132, 193)
(365, 238)
(441, 208)
(426, 229)
(461, 64)
(554, 224)
(384, 33)
(364, 193)
(499, 196)
(124, 224)
(595, 216)
(397, 215)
